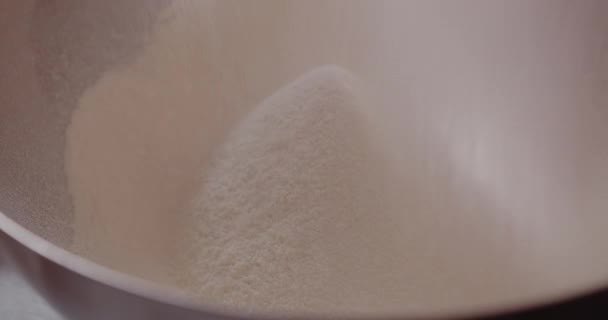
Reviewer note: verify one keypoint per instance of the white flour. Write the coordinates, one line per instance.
(296, 191)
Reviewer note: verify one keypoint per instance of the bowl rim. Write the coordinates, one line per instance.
(165, 295)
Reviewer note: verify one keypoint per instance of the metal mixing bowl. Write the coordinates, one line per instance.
(540, 63)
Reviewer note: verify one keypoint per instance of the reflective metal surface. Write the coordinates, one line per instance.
(504, 102)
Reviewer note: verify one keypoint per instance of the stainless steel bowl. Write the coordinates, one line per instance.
(518, 85)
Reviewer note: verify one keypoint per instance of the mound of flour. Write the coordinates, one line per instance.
(292, 213)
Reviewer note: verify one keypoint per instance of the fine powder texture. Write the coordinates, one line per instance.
(293, 211)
